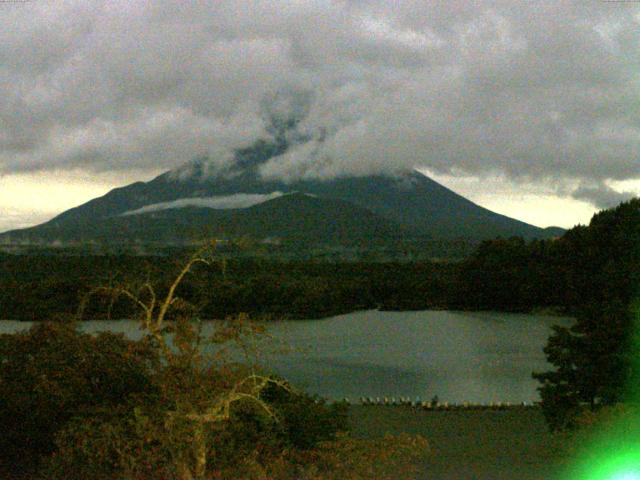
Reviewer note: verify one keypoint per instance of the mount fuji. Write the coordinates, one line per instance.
(191, 203)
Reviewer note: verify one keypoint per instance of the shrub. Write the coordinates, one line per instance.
(345, 458)
(306, 420)
(135, 441)
(108, 444)
(52, 373)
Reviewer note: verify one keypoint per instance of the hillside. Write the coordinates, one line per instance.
(190, 203)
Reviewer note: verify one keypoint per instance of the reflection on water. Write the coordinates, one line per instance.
(459, 356)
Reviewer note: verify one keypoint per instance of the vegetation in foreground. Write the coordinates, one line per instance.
(593, 272)
(596, 361)
(74, 405)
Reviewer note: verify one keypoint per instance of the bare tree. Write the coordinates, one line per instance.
(201, 393)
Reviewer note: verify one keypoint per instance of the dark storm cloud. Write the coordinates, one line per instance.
(602, 196)
(538, 91)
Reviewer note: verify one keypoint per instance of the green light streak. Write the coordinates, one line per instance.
(611, 466)
(627, 476)
(611, 451)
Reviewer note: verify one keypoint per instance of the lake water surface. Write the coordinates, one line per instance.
(458, 356)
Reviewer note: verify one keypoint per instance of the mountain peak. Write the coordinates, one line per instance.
(411, 201)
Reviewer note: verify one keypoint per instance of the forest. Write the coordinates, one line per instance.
(80, 406)
(560, 275)
(44, 287)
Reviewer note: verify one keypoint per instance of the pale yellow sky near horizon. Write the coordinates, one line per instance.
(529, 203)
(31, 198)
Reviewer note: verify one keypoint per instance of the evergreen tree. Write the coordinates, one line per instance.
(594, 359)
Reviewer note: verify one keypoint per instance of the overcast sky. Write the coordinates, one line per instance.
(531, 108)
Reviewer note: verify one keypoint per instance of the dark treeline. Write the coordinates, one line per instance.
(563, 274)
(505, 275)
(595, 360)
(589, 265)
(43, 287)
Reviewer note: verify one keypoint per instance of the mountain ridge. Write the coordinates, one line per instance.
(409, 202)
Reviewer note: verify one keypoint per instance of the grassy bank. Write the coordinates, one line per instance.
(470, 445)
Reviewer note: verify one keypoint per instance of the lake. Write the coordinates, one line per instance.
(458, 356)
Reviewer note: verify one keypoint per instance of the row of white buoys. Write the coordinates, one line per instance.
(436, 405)
(398, 401)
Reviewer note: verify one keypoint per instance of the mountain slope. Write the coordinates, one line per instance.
(295, 217)
(408, 204)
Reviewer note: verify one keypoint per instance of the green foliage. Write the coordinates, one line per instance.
(305, 420)
(46, 287)
(593, 364)
(107, 407)
(107, 444)
(596, 359)
(345, 458)
(52, 373)
(102, 406)
(134, 441)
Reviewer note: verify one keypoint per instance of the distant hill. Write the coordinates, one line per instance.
(296, 217)
(189, 204)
